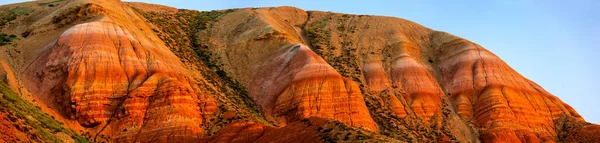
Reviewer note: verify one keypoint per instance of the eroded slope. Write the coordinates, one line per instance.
(429, 80)
(135, 72)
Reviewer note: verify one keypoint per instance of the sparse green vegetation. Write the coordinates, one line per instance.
(318, 35)
(181, 33)
(18, 11)
(7, 39)
(320, 31)
(43, 125)
(12, 14)
(203, 21)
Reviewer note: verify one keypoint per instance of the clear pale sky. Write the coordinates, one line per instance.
(551, 42)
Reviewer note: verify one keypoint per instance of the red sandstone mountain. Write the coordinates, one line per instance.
(111, 71)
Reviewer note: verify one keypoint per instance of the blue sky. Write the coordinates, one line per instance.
(548, 41)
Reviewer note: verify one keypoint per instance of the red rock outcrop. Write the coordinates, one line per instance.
(487, 91)
(312, 76)
(286, 79)
(382, 55)
(298, 84)
(430, 68)
(99, 71)
(431, 72)
(108, 76)
(422, 91)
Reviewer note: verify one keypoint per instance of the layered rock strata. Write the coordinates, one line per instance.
(146, 73)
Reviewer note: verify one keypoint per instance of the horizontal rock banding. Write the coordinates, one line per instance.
(299, 84)
(375, 76)
(113, 76)
(422, 91)
(99, 71)
(487, 91)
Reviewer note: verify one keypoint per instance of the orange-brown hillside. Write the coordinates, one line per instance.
(111, 71)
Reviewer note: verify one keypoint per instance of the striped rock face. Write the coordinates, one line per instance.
(413, 79)
(421, 76)
(422, 91)
(299, 84)
(488, 92)
(104, 76)
(115, 72)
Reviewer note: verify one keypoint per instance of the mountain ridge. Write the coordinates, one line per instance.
(135, 72)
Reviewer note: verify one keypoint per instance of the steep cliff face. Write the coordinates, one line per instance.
(135, 72)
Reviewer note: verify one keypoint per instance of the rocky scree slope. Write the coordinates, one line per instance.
(115, 71)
